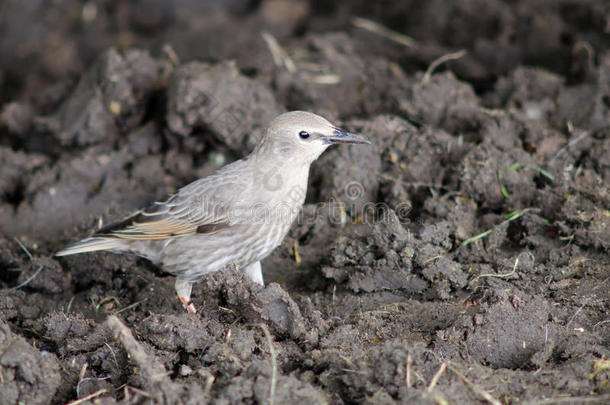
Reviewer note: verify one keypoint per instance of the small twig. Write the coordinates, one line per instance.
(273, 362)
(349, 370)
(433, 258)
(22, 246)
(131, 305)
(478, 390)
(81, 375)
(347, 360)
(88, 397)
(408, 370)
(29, 279)
(148, 364)
(576, 314)
(439, 61)
(385, 32)
(137, 391)
(498, 275)
(601, 323)
(155, 376)
(70, 305)
(573, 142)
(227, 310)
(437, 376)
(573, 400)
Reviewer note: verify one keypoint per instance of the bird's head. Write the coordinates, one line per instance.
(303, 136)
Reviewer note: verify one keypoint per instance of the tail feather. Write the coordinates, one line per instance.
(91, 245)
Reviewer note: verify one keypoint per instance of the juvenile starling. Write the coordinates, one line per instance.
(234, 217)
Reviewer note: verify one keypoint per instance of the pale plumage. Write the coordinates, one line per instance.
(236, 216)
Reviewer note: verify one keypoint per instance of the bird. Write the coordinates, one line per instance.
(235, 216)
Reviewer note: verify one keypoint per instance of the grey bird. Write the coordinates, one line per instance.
(234, 217)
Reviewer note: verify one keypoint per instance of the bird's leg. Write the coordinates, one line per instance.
(188, 305)
(254, 272)
(183, 288)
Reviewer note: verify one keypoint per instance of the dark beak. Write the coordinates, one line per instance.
(341, 136)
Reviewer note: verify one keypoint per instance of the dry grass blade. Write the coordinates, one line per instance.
(326, 79)
(131, 305)
(84, 380)
(279, 55)
(573, 142)
(22, 246)
(437, 377)
(603, 399)
(107, 300)
(385, 32)
(88, 397)
(408, 371)
(478, 390)
(273, 382)
(32, 277)
(439, 61)
(514, 270)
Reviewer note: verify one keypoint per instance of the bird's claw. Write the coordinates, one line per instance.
(188, 305)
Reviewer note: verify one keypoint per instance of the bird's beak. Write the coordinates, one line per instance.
(341, 136)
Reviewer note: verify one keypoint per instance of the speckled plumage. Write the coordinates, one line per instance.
(236, 216)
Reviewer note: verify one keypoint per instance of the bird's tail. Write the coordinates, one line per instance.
(92, 245)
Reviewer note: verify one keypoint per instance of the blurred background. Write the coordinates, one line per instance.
(51, 42)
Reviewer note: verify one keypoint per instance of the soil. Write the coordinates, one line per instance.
(461, 258)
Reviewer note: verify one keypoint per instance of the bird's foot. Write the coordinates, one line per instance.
(188, 304)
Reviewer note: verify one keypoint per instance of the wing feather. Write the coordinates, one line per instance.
(177, 217)
(201, 207)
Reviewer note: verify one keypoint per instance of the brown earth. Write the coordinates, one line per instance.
(462, 258)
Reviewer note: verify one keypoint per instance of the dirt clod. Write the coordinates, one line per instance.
(28, 375)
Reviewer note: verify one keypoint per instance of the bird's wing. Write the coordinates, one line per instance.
(201, 207)
(183, 214)
(173, 218)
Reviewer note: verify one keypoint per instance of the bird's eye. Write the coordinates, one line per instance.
(304, 134)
